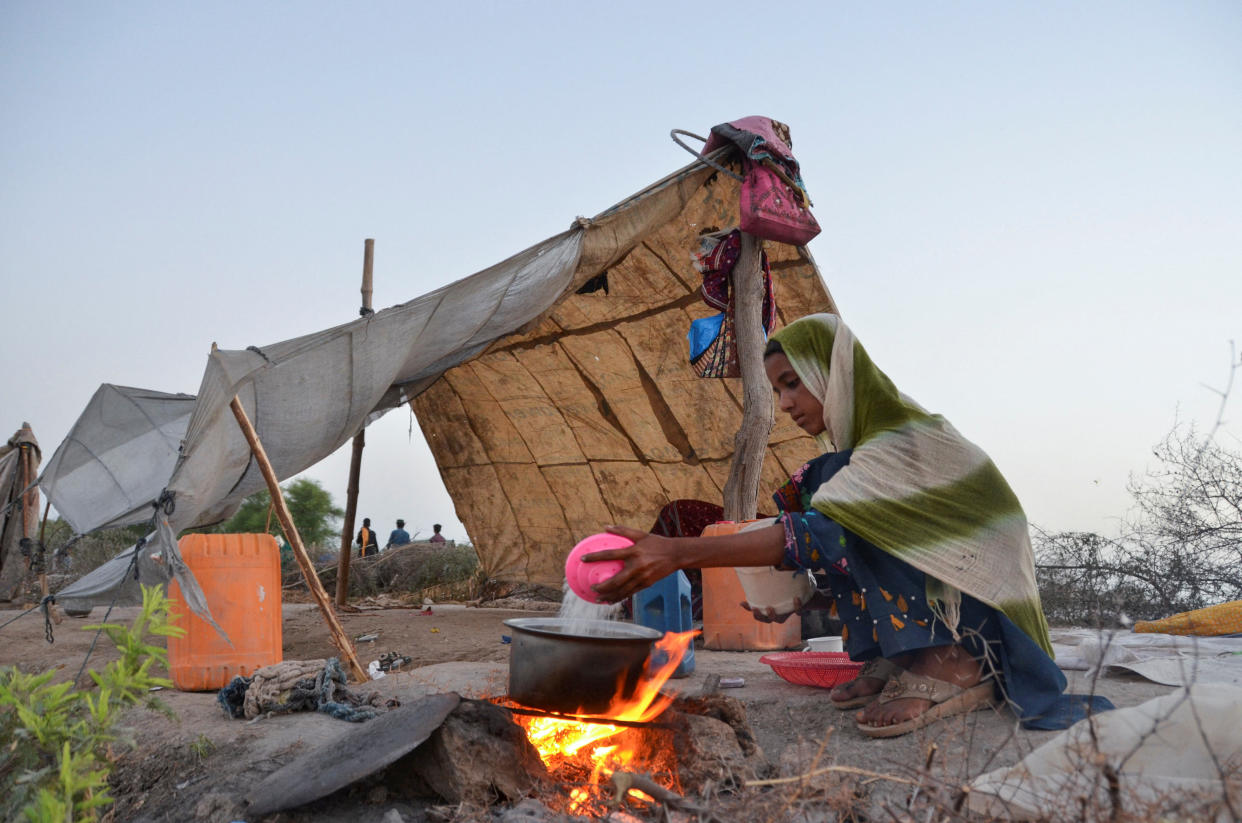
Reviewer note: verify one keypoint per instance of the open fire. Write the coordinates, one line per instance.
(586, 750)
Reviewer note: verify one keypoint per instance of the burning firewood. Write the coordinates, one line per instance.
(624, 782)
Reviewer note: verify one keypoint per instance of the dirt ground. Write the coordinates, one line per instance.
(198, 766)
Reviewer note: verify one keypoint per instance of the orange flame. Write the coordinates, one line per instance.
(556, 739)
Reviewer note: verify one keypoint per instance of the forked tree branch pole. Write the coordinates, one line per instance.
(337, 632)
(741, 492)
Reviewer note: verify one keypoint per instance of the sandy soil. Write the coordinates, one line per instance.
(450, 633)
(197, 767)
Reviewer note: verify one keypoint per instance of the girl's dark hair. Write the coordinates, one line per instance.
(773, 347)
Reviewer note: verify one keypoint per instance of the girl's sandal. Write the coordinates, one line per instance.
(877, 668)
(947, 700)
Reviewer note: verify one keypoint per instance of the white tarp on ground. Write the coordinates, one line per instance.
(1176, 754)
(1174, 660)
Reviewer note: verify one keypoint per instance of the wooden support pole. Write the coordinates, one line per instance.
(29, 475)
(741, 492)
(339, 638)
(43, 523)
(351, 512)
(30, 498)
(355, 460)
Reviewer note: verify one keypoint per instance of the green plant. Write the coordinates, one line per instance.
(202, 748)
(56, 764)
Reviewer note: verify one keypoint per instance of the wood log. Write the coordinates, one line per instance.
(337, 632)
(741, 492)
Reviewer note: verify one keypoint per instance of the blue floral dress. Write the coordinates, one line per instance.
(882, 604)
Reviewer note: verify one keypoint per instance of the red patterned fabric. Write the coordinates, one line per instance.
(715, 260)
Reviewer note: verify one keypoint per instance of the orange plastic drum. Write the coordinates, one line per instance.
(240, 576)
(728, 626)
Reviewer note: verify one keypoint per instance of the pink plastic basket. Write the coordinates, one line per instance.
(822, 669)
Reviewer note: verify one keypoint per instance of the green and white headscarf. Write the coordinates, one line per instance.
(914, 486)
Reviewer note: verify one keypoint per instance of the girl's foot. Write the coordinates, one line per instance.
(870, 681)
(951, 664)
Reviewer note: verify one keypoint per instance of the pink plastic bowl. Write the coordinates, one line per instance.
(582, 576)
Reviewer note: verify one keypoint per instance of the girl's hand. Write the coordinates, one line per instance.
(651, 558)
(818, 600)
(769, 615)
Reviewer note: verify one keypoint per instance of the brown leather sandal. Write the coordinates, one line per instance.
(877, 668)
(947, 700)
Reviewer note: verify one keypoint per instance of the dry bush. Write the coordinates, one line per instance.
(86, 553)
(1180, 549)
(444, 571)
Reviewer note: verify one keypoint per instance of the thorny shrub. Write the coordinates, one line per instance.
(1180, 549)
(440, 571)
(68, 558)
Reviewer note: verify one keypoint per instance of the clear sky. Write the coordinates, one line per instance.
(1032, 212)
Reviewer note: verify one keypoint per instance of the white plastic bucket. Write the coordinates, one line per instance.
(769, 588)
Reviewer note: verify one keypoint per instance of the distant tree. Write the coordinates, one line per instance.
(314, 514)
(1179, 550)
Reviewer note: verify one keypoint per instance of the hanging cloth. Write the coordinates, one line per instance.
(713, 343)
(759, 139)
(773, 202)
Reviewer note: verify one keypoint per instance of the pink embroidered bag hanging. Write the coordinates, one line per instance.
(773, 208)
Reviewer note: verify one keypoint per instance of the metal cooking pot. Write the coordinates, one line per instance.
(576, 666)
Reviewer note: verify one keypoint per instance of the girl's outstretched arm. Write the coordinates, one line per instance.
(653, 557)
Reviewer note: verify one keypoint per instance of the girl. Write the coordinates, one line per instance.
(924, 546)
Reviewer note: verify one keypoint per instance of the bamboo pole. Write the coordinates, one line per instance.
(741, 492)
(368, 260)
(355, 460)
(339, 638)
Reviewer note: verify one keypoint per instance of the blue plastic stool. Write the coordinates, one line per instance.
(665, 607)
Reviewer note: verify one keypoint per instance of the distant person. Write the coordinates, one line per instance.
(436, 537)
(399, 536)
(367, 544)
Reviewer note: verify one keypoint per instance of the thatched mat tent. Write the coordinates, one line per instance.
(591, 414)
